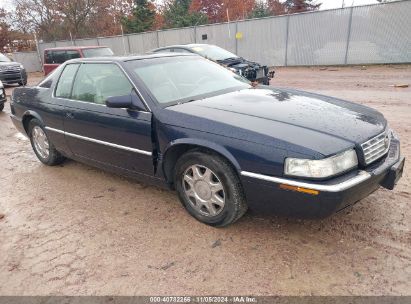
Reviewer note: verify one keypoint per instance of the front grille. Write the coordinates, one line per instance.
(376, 147)
(10, 69)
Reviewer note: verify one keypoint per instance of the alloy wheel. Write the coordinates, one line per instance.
(40, 141)
(204, 190)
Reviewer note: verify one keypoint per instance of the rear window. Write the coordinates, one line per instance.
(98, 52)
(60, 56)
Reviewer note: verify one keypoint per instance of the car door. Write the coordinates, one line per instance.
(120, 138)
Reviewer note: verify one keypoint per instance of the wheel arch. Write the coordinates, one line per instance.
(27, 116)
(179, 147)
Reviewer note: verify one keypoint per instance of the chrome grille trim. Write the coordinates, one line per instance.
(13, 68)
(376, 147)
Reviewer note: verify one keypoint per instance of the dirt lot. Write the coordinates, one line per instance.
(74, 229)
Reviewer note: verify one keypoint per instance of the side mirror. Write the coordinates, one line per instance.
(131, 101)
(119, 102)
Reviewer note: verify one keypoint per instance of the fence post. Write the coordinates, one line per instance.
(129, 46)
(98, 41)
(286, 40)
(39, 53)
(348, 36)
(235, 37)
(195, 33)
(158, 40)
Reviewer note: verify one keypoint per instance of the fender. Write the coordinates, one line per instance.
(32, 113)
(205, 144)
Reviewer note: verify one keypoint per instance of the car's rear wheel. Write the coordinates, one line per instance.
(44, 149)
(209, 188)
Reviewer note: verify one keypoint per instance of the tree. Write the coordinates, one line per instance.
(142, 18)
(298, 6)
(4, 30)
(179, 13)
(276, 7)
(41, 16)
(260, 10)
(11, 39)
(216, 10)
(76, 14)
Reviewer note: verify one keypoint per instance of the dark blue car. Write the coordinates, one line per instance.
(222, 143)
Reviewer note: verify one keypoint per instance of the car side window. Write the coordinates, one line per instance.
(63, 89)
(59, 57)
(72, 55)
(95, 82)
(48, 57)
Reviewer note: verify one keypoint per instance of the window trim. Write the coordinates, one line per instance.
(53, 95)
(75, 79)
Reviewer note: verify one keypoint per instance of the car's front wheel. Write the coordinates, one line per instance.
(1, 107)
(209, 188)
(44, 149)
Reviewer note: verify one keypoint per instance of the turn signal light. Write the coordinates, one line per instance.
(299, 189)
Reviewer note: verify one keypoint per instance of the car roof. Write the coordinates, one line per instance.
(184, 46)
(129, 58)
(62, 48)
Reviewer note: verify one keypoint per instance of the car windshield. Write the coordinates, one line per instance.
(4, 58)
(98, 52)
(174, 80)
(213, 52)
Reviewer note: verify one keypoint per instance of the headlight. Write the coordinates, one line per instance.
(321, 168)
(21, 66)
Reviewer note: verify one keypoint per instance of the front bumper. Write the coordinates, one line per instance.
(283, 196)
(13, 77)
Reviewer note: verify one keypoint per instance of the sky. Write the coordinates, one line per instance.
(326, 4)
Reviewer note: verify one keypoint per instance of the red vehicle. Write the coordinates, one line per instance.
(53, 57)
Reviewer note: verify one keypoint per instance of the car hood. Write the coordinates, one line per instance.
(239, 63)
(283, 118)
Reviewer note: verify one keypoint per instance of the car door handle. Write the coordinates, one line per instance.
(69, 115)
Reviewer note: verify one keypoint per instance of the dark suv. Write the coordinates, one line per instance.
(12, 72)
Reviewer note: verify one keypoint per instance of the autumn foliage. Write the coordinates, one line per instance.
(73, 19)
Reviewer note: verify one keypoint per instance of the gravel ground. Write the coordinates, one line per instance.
(73, 229)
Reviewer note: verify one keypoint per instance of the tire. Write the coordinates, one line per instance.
(1, 107)
(194, 194)
(53, 157)
(22, 83)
